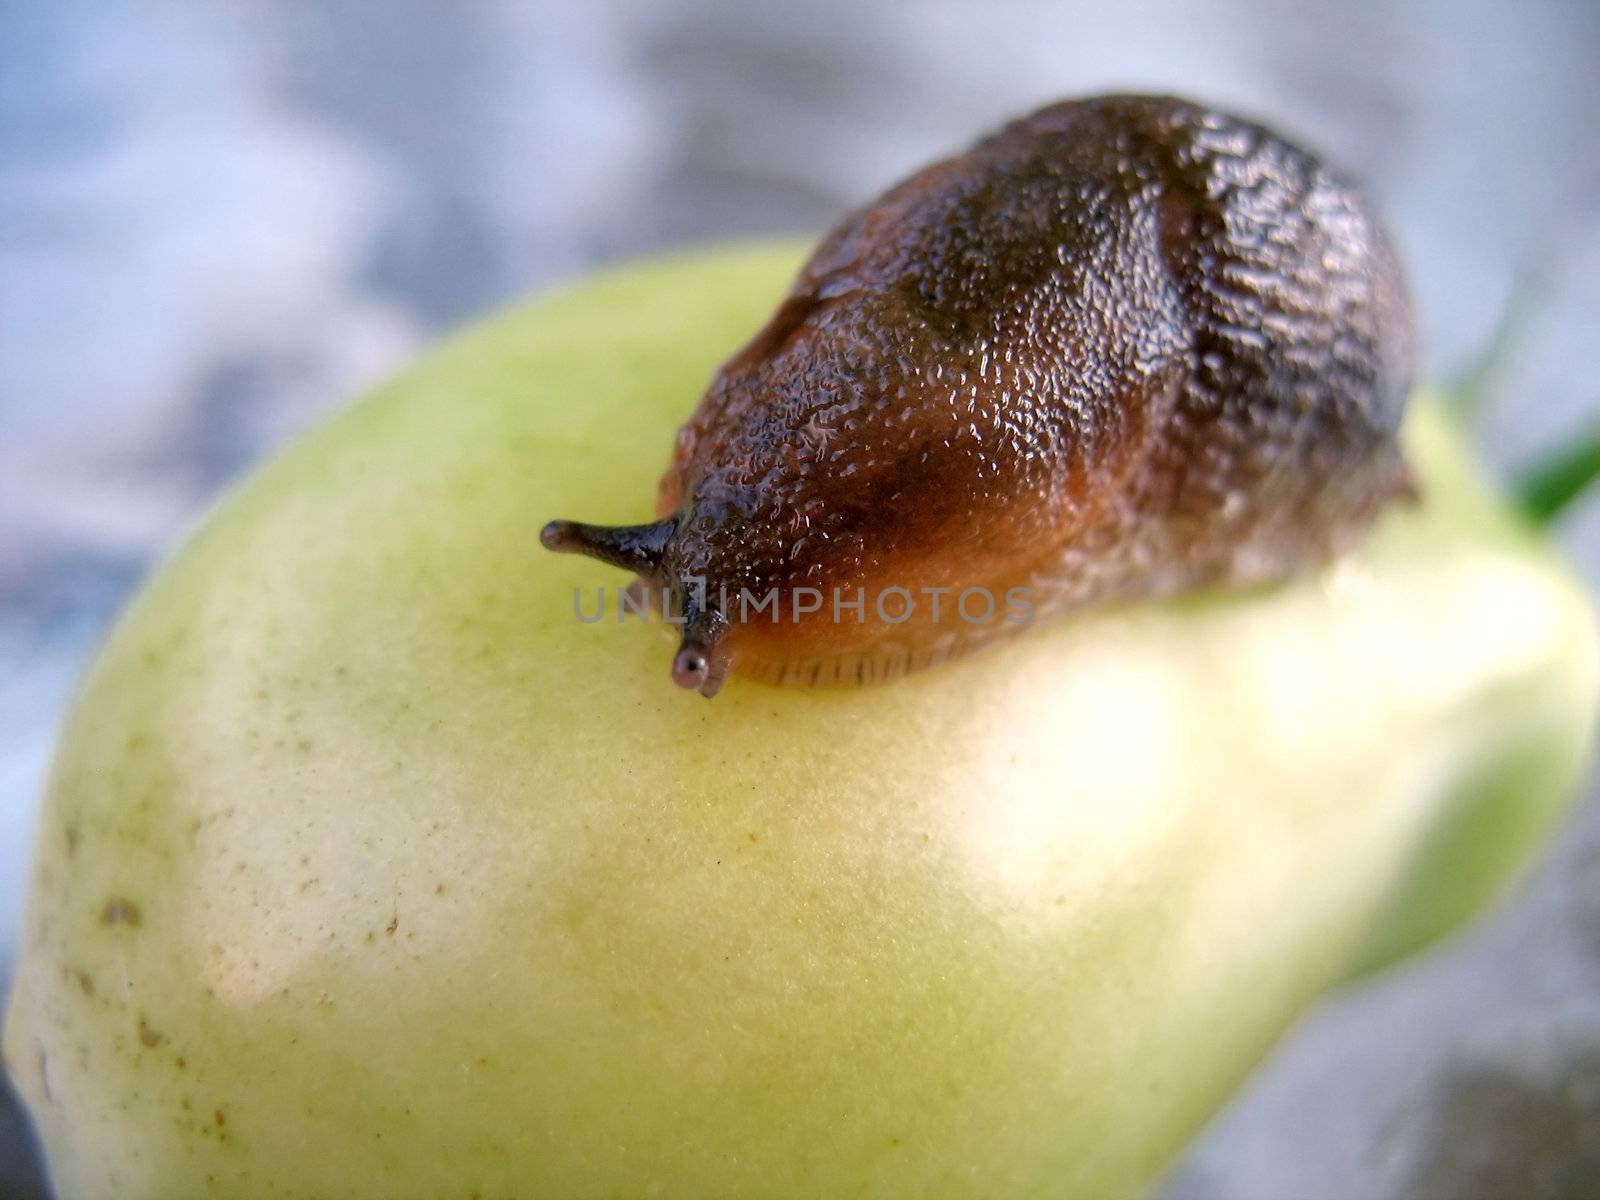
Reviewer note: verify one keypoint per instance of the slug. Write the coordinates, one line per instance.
(1123, 348)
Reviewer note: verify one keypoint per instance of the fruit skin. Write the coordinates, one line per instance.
(367, 871)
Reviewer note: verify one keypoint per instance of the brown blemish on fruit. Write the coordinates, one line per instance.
(148, 1036)
(44, 1072)
(121, 911)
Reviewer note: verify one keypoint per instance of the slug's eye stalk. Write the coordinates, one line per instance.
(691, 665)
(701, 664)
(636, 548)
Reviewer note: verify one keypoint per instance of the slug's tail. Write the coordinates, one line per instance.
(635, 548)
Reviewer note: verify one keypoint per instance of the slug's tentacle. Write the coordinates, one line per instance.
(701, 663)
(635, 548)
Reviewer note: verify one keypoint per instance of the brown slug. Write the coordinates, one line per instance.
(1125, 347)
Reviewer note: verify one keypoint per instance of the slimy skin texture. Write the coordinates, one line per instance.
(1124, 348)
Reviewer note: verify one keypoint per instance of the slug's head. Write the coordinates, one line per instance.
(702, 660)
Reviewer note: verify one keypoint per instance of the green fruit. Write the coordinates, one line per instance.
(368, 871)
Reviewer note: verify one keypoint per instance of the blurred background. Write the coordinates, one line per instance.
(218, 221)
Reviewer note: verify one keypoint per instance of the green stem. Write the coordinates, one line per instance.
(1551, 486)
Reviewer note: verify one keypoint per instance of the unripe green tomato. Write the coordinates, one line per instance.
(367, 870)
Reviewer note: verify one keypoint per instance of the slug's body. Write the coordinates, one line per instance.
(1125, 347)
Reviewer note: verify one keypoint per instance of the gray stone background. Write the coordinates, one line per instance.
(218, 220)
